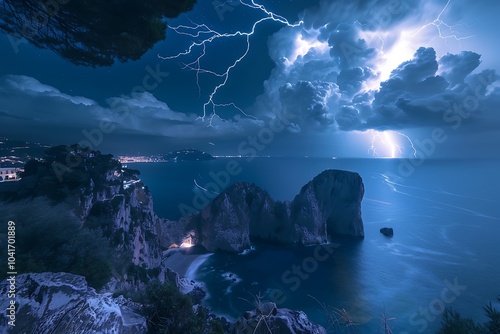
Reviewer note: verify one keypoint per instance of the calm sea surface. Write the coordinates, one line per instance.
(445, 250)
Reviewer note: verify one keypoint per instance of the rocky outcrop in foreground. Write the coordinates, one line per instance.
(64, 303)
(269, 317)
(328, 205)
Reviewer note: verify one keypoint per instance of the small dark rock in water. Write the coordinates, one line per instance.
(387, 231)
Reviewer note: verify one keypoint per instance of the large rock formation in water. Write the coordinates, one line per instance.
(328, 205)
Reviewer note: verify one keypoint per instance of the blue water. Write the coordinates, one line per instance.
(446, 218)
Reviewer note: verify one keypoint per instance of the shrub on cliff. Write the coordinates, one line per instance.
(167, 310)
(65, 169)
(454, 323)
(49, 238)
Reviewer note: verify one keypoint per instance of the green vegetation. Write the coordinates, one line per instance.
(454, 323)
(50, 238)
(167, 310)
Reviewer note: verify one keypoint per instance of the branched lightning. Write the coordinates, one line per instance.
(414, 150)
(204, 36)
(440, 24)
(385, 138)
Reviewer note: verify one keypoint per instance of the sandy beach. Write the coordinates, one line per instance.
(184, 261)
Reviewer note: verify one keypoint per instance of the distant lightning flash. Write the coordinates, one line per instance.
(386, 139)
(414, 150)
(204, 35)
(440, 25)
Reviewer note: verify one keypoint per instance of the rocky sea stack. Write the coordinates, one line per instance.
(328, 205)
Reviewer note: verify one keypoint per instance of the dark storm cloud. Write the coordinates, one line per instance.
(350, 81)
(415, 77)
(415, 96)
(357, 40)
(455, 67)
(372, 14)
(346, 47)
(306, 103)
(344, 59)
(38, 109)
(348, 118)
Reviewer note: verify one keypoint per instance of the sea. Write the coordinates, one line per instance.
(445, 252)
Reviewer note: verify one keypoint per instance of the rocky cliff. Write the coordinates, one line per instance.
(328, 205)
(331, 201)
(63, 303)
(105, 196)
(267, 317)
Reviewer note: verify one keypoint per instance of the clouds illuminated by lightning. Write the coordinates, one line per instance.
(203, 37)
(363, 92)
(303, 46)
(408, 37)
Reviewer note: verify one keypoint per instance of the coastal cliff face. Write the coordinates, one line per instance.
(225, 223)
(107, 197)
(328, 205)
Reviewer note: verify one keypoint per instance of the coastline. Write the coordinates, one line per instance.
(184, 262)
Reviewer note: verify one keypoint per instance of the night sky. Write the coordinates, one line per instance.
(366, 78)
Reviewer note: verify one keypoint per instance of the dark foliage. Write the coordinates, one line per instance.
(91, 32)
(49, 238)
(64, 170)
(169, 311)
(454, 323)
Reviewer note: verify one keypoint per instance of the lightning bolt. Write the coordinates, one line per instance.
(385, 138)
(203, 36)
(441, 25)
